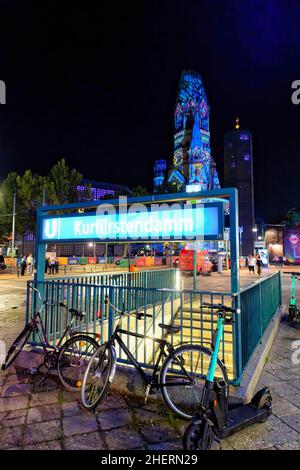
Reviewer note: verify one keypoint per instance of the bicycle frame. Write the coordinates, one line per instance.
(38, 327)
(162, 343)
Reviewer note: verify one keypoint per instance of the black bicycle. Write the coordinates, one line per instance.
(180, 377)
(70, 358)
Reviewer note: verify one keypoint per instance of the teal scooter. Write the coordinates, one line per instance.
(219, 417)
(294, 314)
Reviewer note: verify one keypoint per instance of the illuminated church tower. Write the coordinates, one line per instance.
(193, 167)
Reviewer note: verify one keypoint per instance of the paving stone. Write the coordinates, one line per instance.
(13, 378)
(49, 445)
(176, 445)
(14, 390)
(290, 445)
(159, 432)
(283, 373)
(225, 445)
(112, 401)
(2, 379)
(11, 437)
(71, 408)
(264, 435)
(13, 418)
(44, 398)
(90, 441)
(39, 432)
(123, 439)
(293, 421)
(157, 406)
(114, 419)
(43, 413)
(80, 424)
(65, 396)
(282, 407)
(13, 403)
(146, 416)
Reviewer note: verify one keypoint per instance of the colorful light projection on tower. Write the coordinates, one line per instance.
(192, 154)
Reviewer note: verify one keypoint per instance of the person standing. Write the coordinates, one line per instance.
(29, 264)
(52, 264)
(23, 266)
(251, 264)
(259, 264)
(19, 265)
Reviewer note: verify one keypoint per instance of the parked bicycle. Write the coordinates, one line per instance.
(179, 372)
(70, 358)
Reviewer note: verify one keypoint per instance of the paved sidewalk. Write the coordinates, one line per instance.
(54, 420)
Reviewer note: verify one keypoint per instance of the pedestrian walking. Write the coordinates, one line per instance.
(259, 264)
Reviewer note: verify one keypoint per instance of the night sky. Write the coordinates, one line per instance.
(98, 86)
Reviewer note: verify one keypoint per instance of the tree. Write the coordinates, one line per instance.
(139, 191)
(31, 190)
(292, 217)
(65, 181)
(168, 187)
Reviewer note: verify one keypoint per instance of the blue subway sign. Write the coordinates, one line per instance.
(138, 222)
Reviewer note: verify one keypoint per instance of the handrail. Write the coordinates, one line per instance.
(258, 282)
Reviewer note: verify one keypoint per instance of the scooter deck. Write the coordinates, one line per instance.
(242, 417)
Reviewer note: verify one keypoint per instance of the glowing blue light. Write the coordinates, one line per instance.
(176, 224)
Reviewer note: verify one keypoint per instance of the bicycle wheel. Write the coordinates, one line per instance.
(95, 382)
(73, 359)
(183, 376)
(17, 346)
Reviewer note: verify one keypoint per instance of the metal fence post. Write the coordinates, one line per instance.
(280, 287)
(110, 312)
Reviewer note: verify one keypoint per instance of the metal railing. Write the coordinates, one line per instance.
(258, 303)
(163, 304)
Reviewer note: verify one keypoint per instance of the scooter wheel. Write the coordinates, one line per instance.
(266, 403)
(292, 313)
(193, 438)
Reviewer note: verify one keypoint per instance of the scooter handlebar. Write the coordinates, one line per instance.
(221, 307)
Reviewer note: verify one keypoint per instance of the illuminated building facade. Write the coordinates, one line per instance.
(238, 173)
(99, 190)
(193, 168)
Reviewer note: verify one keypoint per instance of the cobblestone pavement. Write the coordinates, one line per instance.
(53, 419)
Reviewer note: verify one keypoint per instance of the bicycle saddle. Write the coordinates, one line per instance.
(77, 313)
(170, 328)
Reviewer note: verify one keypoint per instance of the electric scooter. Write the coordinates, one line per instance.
(294, 314)
(218, 416)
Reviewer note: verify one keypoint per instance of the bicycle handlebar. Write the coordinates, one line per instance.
(221, 307)
(139, 315)
(45, 302)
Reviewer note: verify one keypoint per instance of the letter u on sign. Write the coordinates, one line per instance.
(51, 228)
(2, 92)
